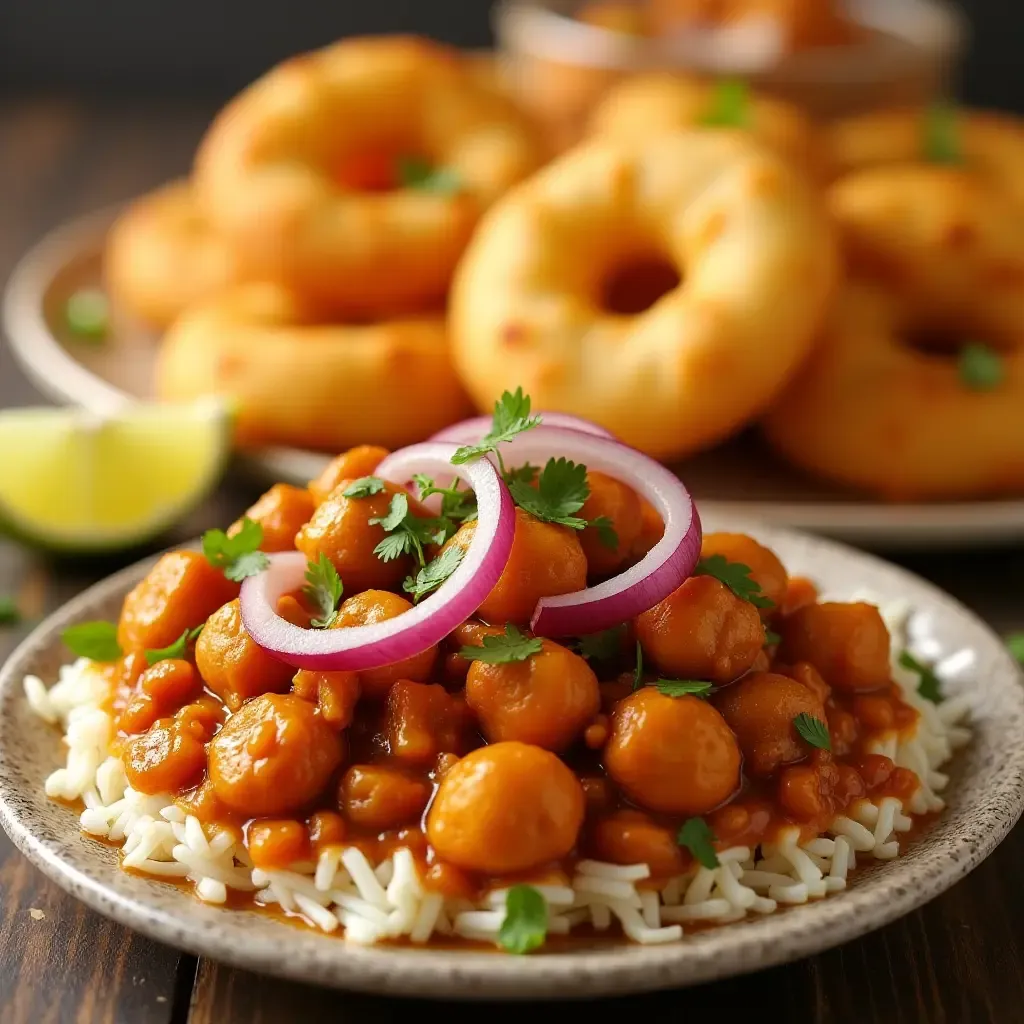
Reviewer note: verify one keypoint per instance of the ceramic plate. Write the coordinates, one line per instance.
(740, 478)
(985, 799)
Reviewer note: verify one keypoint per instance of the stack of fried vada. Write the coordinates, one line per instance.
(303, 271)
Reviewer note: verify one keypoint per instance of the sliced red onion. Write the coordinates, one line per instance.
(472, 430)
(657, 574)
(385, 643)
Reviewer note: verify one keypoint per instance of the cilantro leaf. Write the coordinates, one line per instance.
(1015, 641)
(9, 614)
(457, 506)
(682, 687)
(526, 920)
(736, 577)
(638, 672)
(525, 473)
(419, 174)
(498, 650)
(605, 532)
(729, 106)
(176, 650)
(561, 490)
(813, 730)
(323, 590)
(980, 367)
(237, 556)
(94, 640)
(395, 545)
(364, 487)
(928, 685)
(696, 836)
(398, 509)
(408, 533)
(601, 646)
(434, 573)
(941, 141)
(87, 314)
(771, 638)
(511, 418)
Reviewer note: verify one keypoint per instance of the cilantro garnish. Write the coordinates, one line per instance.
(511, 418)
(605, 532)
(238, 556)
(813, 730)
(601, 646)
(771, 638)
(1015, 641)
(323, 591)
(94, 640)
(736, 577)
(561, 491)
(942, 135)
(423, 176)
(457, 505)
(176, 650)
(364, 487)
(682, 687)
(9, 614)
(526, 920)
(695, 834)
(498, 650)
(638, 671)
(525, 473)
(406, 533)
(434, 573)
(87, 314)
(928, 685)
(730, 105)
(980, 367)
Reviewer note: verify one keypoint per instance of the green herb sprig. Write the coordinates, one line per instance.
(525, 927)
(237, 556)
(813, 731)
(696, 836)
(499, 650)
(323, 591)
(928, 686)
(736, 576)
(179, 649)
(434, 573)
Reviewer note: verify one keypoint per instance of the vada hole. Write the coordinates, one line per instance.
(633, 287)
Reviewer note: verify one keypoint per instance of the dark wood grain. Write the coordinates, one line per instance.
(958, 960)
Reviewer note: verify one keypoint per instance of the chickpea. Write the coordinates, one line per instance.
(165, 759)
(368, 608)
(340, 529)
(350, 465)
(806, 673)
(807, 792)
(702, 630)
(422, 722)
(178, 593)
(620, 504)
(282, 512)
(847, 643)
(546, 700)
(273, 756)
(278, 844)
(334, 693)
(232, 664)
(326, 828)
(672, 754)
(765, 568)
(631, 837)
(545, 560)
(760, 709)
(380, 797)
(505, 808)
(163, 688)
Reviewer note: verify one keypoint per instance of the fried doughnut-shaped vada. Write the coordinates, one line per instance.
(162, 255)
(871, 410)
(645, 105)
(303, 170)
(389, 383)
(991, 145)
(664, 288)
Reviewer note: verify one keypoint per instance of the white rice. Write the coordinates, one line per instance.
(373, 903)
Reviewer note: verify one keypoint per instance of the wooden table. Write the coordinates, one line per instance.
(958, 960)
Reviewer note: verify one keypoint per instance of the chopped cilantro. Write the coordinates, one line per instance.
(526, 920)
(813, 730)
(179, 649)
(498, 650)
(511, 418)
(980, 367)
(729, 106)
(695, 834)
(682, 687)
(928, 685)
(434, 573)
(638, 671)
(323, 591)
(601, 646)
(942, 135)
(87, 314)
(525, 473)
(423, 176)
(406, 533)
(94, 640)
(561, 491)
(605, 532)
(364, 487)
(238, 556)
(457, 506)
(736, 577)
(9, 614)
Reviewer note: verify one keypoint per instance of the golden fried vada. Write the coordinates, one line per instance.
(659, 102)
(162, 255)
(895, 405)
(356, 174)
(664, 288)
(298, 379)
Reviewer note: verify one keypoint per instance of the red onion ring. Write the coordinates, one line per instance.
(472, 430)
(385, 643)
(657, 574)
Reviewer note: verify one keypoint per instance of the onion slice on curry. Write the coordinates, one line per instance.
(356, 648)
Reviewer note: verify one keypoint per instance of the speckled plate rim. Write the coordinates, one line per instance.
(985, 800)
(57, 374)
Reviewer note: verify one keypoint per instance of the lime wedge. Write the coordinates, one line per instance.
(73, 482)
